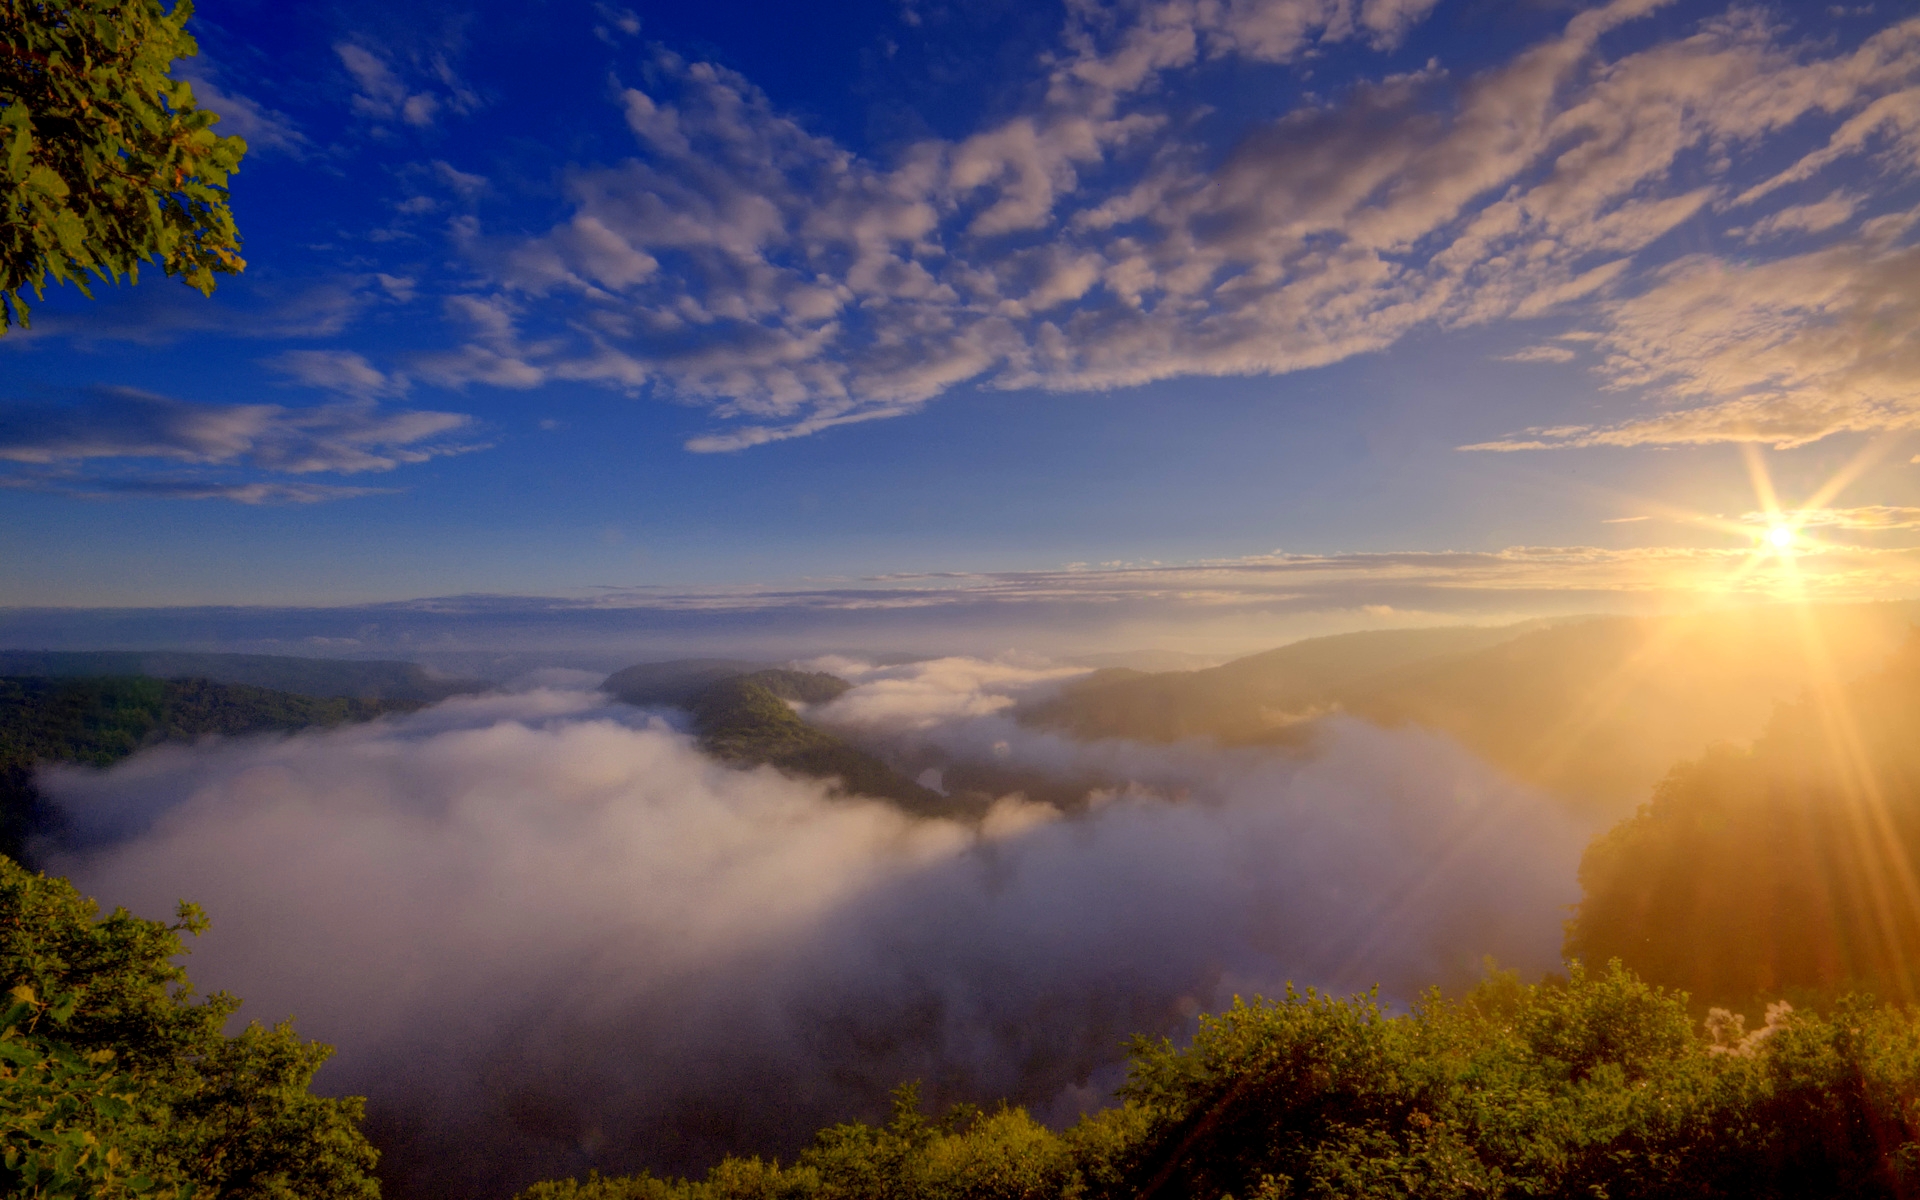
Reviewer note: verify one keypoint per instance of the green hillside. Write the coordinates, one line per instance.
(742, 713)
(98, 721)
(675, 683)
(746, 721)
(319, 677)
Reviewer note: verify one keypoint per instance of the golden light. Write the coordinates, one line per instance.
(1780, 537)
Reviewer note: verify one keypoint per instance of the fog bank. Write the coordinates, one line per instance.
(546, 933)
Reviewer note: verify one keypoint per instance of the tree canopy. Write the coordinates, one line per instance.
(115, 1080)
(1593, 1085)
(109, 161)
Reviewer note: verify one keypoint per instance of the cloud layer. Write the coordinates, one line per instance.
(742, 261)
(124, 424)
(600, 948)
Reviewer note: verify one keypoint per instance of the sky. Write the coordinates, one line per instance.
(1190, 323)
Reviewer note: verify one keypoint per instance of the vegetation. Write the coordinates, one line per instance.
(322, 678)
(115, 1081)
(1595, 1085)
(1784, 869)
(109, 161)
(98, 721)
(1594, 710)
(675, 684)
(747, 721)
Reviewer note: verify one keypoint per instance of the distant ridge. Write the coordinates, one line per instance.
(99, 720)
(1250, 698)
(1593, 709)
(322, 678)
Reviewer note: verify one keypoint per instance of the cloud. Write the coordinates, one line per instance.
(593, 947)
(266, 130)
(382, 95)
(1784, 352)
(160, 313)
(1816, 217)
(741, 261)
(256, 493)
(337, 371)
(1540, 354)
(122, 423)
(1865, 517)
(1216, 607)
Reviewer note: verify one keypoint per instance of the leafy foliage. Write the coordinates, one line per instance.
(116, 1081)
(1595, 1085)
(109, 162)
(101, 720)
(1780, 870)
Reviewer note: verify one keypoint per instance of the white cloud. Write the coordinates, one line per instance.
(746, 263)
(1540, 354)
(1815, 217)
(337, 371)
(122, 423)
(1784, 352)
(382, 95)
(256, 493)
(1861, 517)
(266, 130)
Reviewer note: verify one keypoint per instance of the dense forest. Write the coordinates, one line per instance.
(321, 678)
(100, 720)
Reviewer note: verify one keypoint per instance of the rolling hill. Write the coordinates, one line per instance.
(100, 720)
(744, 715)
(318, 677)
(1595, 710)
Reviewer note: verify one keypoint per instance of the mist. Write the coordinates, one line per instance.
(546, 933)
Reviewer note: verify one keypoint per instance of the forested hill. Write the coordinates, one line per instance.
(1595, 709)
(1786, 869)
(744, 717)
(317, 677)
(102, 720)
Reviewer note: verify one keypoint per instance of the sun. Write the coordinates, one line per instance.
(1780, 537)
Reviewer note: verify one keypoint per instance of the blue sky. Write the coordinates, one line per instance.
(689, 307)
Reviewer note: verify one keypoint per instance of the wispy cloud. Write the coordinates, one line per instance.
(340, 371)
(255, 493)
(1784, 352)
(1540, 354)
(266, 130)
(1864, 517)
(122, 423)
(742, 261)
(382, 94)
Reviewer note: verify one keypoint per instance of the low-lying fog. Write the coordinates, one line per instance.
(546, 933)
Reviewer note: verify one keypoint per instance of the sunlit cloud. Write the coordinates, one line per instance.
(742, 261)
(1863, 517)
(123, 423)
